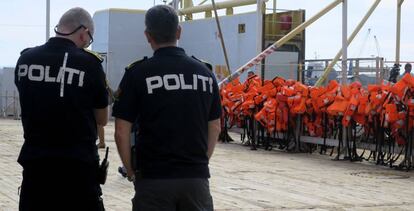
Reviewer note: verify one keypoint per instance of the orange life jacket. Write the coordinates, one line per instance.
(338, 107)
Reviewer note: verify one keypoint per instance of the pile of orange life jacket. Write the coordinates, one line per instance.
(273, 103)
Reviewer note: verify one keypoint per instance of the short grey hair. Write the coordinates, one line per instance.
(76, 17)
(161, 23)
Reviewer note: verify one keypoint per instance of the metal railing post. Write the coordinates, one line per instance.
(272, 48)
(350, 39)
(398, 36)
(7, 103)
(377, 70)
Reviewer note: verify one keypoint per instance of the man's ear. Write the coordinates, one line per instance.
(148, 36)
(178, 33)
(82, 37)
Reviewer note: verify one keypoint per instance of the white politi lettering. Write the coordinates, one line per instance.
(204, 80)
(22, 71)
(183, 85)
(60, 74)
(38, 68)
(49, 78)
(71, 71)
(81, 76)
(195, 79)
(42, 73)
(151, 85)
(171, 86)
(210, 81)
(176, 81)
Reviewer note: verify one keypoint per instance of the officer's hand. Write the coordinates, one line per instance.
(131, 175)
(131, 178)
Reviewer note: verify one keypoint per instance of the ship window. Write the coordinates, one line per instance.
(242, 28)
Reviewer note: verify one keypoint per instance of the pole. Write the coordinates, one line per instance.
(221, 36)
(175, 4)
(350, 39)
(201, 3)
(259, 28)
(357, 67)
(377, 70)
(188, 4)
(398, 38)
(382, 73)
(279, 43)
(47, 20)
(219, 5)
(344, 67)
(7, 105)
(344, 41)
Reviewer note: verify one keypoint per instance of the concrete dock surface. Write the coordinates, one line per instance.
(248, 180)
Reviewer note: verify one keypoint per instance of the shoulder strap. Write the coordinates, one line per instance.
(95, 54)
(24, 50)
(135, 63)
(209, 66)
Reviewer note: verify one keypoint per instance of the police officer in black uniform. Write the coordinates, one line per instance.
(407, 68)
(63, 97)
(175, 101)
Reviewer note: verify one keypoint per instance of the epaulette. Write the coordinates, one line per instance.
(107, 83)
(136, 62)
(24, 50)
(210, 67)
(95, 54)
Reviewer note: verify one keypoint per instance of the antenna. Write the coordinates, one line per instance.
(377, 45)
(364, 43)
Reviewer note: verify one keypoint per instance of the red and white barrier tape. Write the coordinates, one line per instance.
(256, 60)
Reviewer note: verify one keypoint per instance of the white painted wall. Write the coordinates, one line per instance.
(120, 35)
(200, 38)
(283, 64)
(123, 40)
(101, 35)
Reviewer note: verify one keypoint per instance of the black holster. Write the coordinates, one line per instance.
(103, 168)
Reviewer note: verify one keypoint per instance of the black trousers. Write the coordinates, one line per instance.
(172, 195)
(60, 185)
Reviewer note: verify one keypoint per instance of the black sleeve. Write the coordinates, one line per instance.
(16, 69)
(126, 106)
(215, 110)
(99, 87)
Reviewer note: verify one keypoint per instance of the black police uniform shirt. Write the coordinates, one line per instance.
(172, 97)
(55, 126)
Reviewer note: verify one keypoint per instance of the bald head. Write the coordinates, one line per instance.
(74, 18)
(77, 25)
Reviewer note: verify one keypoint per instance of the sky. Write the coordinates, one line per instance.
(22, 25)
